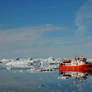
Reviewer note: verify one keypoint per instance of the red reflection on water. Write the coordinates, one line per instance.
(80, 74)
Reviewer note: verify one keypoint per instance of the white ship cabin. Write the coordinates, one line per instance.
(74, 62)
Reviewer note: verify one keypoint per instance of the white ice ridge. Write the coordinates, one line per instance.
(36, 64)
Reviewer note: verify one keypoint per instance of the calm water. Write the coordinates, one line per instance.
(11, 81)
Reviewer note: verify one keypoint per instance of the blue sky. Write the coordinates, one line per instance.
(42, 28)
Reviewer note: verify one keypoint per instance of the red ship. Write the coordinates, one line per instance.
(75, 64)
(77, 68)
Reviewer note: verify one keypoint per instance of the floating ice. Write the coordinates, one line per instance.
(31, 65)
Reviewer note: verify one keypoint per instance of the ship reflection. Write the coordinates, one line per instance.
(74, 74)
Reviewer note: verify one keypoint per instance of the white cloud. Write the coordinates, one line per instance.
(30, 42)
(84, 19)
(62, 51)
(30, 33)
(22, 40)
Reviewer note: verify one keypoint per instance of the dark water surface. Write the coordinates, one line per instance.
(41, 82)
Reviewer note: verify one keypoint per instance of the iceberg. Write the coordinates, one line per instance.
(32, 65)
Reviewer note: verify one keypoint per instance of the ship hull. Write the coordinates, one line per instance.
(75, 68)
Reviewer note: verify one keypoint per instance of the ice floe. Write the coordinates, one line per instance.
(31, 65)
